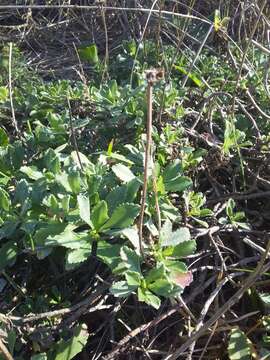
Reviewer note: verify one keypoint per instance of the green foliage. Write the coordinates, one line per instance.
(65, 205)
(239, 347)
(234, 218)
(67, 350)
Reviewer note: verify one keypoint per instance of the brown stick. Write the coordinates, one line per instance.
(15, 124)
(3, 349)
(146, 160)
(152, 76)
(95, 295)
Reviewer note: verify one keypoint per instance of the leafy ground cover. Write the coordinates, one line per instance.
(76, 279)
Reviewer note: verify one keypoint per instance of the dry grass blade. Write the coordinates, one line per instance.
(260, 269)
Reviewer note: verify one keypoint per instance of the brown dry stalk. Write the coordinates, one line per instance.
(3, 349)
(152, 77)
(15, 124)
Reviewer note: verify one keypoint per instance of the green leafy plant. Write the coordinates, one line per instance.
(234, 218)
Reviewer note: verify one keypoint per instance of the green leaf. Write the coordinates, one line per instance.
(8, 254)
(32, 172)
(132, 235)
(46, 230)
(11, 338)
(191, 76)
(156, 273)
(67, 350)
(149, 298)
(165, 232)
(265, 298)
(122, 289)
(131, 259)
(84, 209)
(239, 347)
(183, 249)
(123, 172)
(109, 254)
(22, 191)
(74, 181)
(172, 171)
(90, 54)
(65, 201)
(122, 217)
(99, 215)
(178, 184)
(230, 207)
(116, 197)
(133, 278)
(4, 200)
(161, 287)
(3, 138)
(76, 257)
(169, 238)
(178, 273)
(69, 239)
(3, 94)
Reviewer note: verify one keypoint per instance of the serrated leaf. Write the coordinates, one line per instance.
(131, 259)
(109, 254)
(174, 238)
(165, 232)
(22, 191)
(84, 209)
(8, 254)
(172, 171)
(182, 279)
(4, 200)
(99, 215)
(179, 273)
(123, 172)
(68, 239)
(183, 249)
(178, 184)
(77, 256)
(133, 278)
(32, 172)
(122, 289)
(116, 197)
(149, 298)
(67, 350)
(239, 347)
(161, 287)
(122, 217)
(156, 273)
(132, 235)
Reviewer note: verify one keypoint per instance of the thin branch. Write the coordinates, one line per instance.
(82, 305)
(3, 349)
(260, 269)
(73, 133)
(14, 121)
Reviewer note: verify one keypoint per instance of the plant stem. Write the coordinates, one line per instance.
(146, 160)
(152, 76)
(15, 124)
